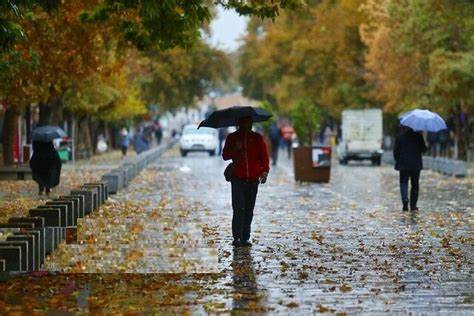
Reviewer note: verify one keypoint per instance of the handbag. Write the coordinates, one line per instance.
(228, 172)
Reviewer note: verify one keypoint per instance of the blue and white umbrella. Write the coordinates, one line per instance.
(423, 120)
(47, 133)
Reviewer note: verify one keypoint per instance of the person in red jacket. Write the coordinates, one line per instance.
(250, 167)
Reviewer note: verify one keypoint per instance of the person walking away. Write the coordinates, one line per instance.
(432, 138)
(275, 136)
(45, 165)
(287, 133)
(443, 139)
(222, 135)
(407, 152)
(250, 167)
(124, 141)
(158, 133)
(140, 142)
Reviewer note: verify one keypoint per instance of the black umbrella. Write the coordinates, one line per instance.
(230, 116)
(47, 133)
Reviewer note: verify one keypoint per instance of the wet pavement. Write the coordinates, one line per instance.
(342, 247)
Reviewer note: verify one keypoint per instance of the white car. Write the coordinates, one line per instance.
(193, 139)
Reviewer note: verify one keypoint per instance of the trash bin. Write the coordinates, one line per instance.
(312, 164)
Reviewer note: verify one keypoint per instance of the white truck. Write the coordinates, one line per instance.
(362, 135)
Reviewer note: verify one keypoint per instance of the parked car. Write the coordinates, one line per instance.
(193, 139)
(362, 136)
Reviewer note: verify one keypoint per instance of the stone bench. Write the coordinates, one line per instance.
(17, 172)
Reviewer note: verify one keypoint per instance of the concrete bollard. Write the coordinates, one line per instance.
(22, 259)
(12, 256)
(114, 180)
(39, 232)
(69, 210)
(31, 251)
(88, 199)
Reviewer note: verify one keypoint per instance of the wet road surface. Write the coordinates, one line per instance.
(342, 247)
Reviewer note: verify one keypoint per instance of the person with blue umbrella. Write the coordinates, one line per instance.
(409, 148)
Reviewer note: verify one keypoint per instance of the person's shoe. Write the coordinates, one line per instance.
(236, 243)
(405, 207)
(414, 208)
(246, 243)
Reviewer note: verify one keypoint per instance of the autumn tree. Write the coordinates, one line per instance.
(312, 54)
(420, 55)
(176, 77)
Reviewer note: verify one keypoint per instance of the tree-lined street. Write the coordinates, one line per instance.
(338, 247)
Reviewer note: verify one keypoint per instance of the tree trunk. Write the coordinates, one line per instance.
(84, 148)
(44, 114)
(28, 124)
(10, 126)
(50, 113)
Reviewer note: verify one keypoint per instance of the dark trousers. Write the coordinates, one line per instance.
(274, 152)
(289, 147)
(124, 150)
(414, 177)
(244, 194)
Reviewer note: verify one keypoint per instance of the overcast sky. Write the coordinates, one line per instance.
(226, 29)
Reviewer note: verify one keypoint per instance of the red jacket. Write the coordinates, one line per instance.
(251, 160)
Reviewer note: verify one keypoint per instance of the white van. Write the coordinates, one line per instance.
(362, 136)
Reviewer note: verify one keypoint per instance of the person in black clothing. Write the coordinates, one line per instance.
(45, 165)
(275, 137)
(408, 150)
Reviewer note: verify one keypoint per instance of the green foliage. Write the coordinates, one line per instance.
(306, 117)
(266, 124)
(10, 30)
(178, 76)
(313, 54)
(168, 23)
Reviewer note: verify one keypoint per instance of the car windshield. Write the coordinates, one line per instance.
(194, 130)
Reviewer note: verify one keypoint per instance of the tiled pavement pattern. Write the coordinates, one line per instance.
(343, 247)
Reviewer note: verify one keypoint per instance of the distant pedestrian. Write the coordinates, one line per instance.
(140, 143)
(408, 150)
(158, 133)
(45, 165)
(443, 139)
(222, 135)
(275, 136)
(124, 141)
(249, 168)
(287, 132)
(432, 138)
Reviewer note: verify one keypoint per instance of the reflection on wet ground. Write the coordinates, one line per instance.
(341, 247)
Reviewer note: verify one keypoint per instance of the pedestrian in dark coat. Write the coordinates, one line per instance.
(45, 165)
(408, 150)
(275, 136)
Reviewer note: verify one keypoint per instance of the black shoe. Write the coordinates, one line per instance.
(414, 208)
(405, 207)
(236, 243)
(246, 243)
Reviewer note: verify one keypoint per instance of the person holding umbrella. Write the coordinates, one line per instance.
(408, 149)
(45, 163)
(249, 167)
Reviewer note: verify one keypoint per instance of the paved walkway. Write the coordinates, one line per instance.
(343, 247)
